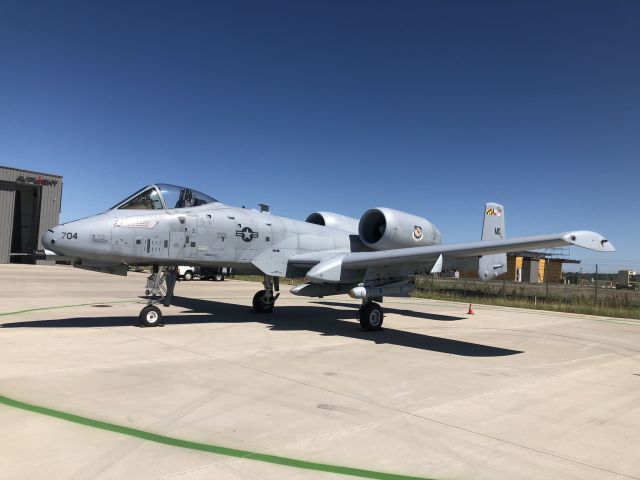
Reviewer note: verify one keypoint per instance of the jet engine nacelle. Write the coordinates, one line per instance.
(334, 220)
(385, 228)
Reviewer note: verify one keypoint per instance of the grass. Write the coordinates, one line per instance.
(539, 304)
(618, 306)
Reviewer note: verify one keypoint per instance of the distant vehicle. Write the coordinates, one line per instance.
(377, 256)
(626, 279)
(186, 272)
(213, 273)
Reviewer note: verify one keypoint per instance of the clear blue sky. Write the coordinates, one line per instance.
(424, 106)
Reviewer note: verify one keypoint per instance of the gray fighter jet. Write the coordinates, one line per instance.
(379, 255)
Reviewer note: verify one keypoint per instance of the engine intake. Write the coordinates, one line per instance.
(334, 220)
(385, 228)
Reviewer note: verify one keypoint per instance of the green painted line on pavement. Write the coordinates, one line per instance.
(4, 314)
(39, 309)
(204, 447)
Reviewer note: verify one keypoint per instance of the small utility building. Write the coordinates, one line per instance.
(30, 203)
(535, 267)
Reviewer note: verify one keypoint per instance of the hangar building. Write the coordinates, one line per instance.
(30, 203)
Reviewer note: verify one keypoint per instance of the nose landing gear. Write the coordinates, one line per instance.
(264, 300)
(159, 289)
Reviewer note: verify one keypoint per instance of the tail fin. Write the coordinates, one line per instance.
(491, 266)
(493, 225)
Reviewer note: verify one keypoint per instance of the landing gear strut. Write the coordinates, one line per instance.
(370, 315)
(264, 300)
(159, 289)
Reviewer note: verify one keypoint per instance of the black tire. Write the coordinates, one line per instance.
(260, 304)
(218, 277)
(150, 316)
(188, 275)
(371, 316)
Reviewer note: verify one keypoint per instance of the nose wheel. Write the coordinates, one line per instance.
(151, 316)
(370, 316)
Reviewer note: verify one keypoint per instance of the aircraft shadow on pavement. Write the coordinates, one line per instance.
(323, 320)
(397, 311)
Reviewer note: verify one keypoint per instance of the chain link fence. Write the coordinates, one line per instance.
(529, 291)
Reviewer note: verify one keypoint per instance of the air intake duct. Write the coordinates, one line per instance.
(385, 229)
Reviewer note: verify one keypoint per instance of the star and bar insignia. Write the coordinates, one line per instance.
(247, 234)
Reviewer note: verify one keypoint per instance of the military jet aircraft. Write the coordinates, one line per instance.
(376, 256)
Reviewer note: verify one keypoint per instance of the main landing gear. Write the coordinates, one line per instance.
(264, 300)
(159, 289)
(370, 315)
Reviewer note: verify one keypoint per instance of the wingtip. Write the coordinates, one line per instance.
(590, 240)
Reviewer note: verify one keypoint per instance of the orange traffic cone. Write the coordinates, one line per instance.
(471, 312)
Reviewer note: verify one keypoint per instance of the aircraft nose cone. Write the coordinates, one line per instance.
(48, 240)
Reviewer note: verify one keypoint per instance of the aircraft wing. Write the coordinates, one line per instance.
(333, 268)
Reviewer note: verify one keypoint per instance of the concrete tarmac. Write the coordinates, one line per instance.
(502, 394)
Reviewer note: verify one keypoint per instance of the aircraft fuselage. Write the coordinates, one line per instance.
(209, 235)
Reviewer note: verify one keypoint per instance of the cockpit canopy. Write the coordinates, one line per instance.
(164, 196)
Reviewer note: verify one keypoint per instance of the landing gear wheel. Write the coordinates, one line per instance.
(371, 316)
(262, 303)
(188, 275)
(151, 316)
(218, 277)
